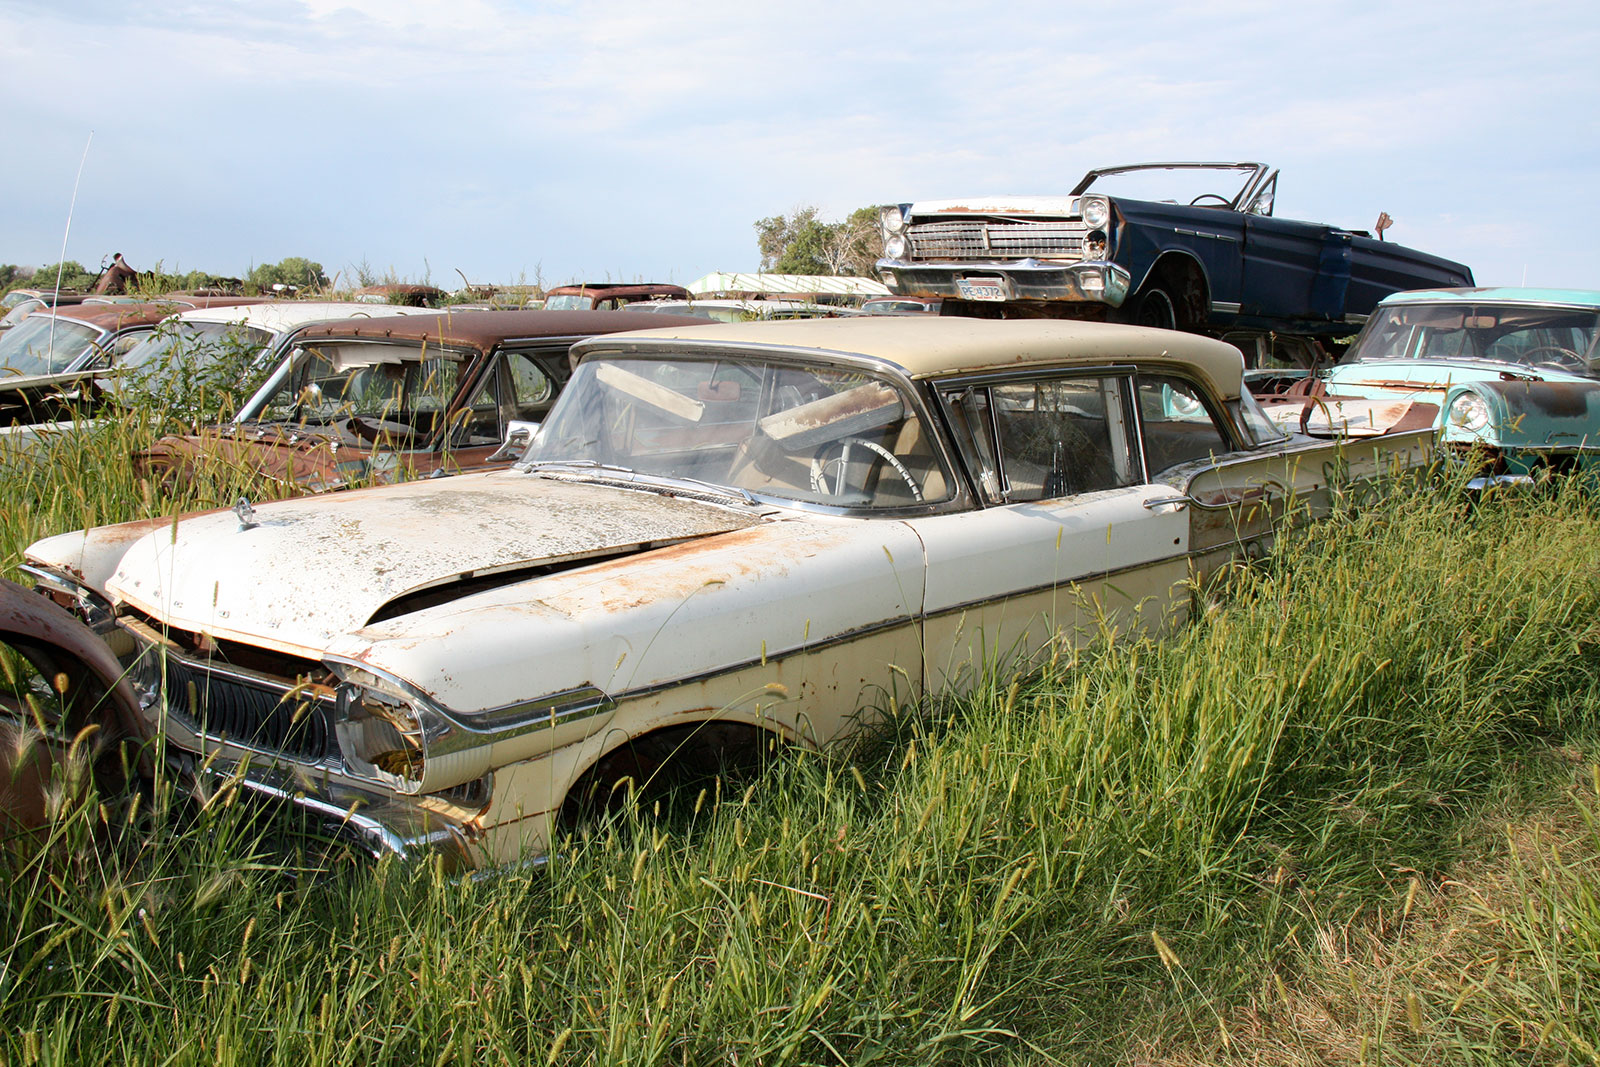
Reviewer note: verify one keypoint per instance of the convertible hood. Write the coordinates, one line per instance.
(311, 568)
(1054, 206)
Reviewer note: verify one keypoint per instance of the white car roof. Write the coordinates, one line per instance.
(277, 317)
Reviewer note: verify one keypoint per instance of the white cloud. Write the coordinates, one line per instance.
(644, 138)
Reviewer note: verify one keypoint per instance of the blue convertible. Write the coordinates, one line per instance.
(1189, 246)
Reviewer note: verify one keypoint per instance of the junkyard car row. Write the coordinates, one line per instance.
(670, 545)
(722, 535)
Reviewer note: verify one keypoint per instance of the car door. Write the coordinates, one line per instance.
(1066, 542)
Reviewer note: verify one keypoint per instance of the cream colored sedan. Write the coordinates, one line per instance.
(722, 537)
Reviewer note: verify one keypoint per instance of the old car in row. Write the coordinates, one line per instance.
(57, 679)
(1187, 246)
(388, 399)
(142, 354)
(1510, 373)
(609, 296)
(722, 537)
(45, 360)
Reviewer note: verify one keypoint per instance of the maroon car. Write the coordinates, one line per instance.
(604, 296)
(386, 399)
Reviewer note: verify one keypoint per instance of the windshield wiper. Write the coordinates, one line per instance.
(654, 482)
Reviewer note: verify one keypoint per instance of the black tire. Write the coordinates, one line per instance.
(1155, 307)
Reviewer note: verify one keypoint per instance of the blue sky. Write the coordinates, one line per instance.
(557, 141)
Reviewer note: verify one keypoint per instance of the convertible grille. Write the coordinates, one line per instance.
(242, 710)
(968, 239)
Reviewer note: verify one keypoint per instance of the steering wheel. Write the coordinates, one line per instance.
(1567, 352)
(1224, 201)
(822, 462)
(373, 430)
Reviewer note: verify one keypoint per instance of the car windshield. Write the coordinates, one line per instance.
(820, 434)
(1531, 336)
(402, 392)
(1205, 186)
(21, 311)
(568, 302)
(31, 347)
(193, 344)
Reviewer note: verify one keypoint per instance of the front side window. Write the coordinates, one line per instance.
(819, 434)
(1048, 438)
(1178, 427)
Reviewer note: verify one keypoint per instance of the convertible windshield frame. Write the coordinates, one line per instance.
(767, 364)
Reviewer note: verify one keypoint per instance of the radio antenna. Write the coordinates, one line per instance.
(61, 264)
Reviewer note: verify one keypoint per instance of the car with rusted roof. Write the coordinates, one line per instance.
(391, 398)
(606, 296)
(722, 538)
(1183, 245)
(45, 359)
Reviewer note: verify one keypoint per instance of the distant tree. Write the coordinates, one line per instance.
(296, 270)
(801, 243)
(73, 276)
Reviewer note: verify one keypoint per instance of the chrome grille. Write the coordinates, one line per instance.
(977, 239)
(231, 707)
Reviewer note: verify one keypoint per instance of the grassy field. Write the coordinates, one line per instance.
(1348, 817)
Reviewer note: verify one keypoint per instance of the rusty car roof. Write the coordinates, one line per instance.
(927, 346)
(614, 289)
(485, 329)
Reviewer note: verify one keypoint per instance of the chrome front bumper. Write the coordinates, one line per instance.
(375, 823)
(1091, 281)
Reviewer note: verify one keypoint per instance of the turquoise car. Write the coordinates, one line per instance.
(1512, 372)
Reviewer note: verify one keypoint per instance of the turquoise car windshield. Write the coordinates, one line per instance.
(1531, 336)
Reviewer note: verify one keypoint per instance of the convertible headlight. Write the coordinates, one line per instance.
(891, 219)
(1468, 412)
(894, 247)
(1095, 211)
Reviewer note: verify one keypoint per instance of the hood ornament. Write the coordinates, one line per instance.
(246, 514)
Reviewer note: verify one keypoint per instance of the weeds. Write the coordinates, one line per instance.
(1141, 850)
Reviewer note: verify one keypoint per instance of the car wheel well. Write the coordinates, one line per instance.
(666, 766)
(1183, 282)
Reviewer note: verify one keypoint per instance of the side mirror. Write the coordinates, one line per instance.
(518, 434)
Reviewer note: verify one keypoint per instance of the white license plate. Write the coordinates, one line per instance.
(981, 288)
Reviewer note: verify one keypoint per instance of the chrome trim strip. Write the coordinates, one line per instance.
(1227, 307)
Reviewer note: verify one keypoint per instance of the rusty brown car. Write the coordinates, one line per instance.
(392, 398)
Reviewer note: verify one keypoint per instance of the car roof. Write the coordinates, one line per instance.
(288, 314)
(943, 345)
(112, 316)
(619, 289)
(485, 329)
(1505, 294)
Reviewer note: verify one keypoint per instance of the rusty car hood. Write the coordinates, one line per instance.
(311, 568)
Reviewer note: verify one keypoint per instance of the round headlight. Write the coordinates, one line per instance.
(892, 219)
(1469, 412)
(1095, 210)
(894, 247)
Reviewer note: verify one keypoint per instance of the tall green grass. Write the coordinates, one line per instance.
(1079, 866)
